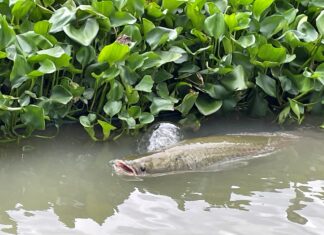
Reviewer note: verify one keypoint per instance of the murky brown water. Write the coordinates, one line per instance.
(65, 186)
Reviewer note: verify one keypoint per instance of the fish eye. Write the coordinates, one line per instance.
(142, 168)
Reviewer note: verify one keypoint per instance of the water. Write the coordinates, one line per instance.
(64, 186)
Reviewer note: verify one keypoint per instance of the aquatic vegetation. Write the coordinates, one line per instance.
(115, 65)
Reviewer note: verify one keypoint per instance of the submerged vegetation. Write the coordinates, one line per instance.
(119, 63)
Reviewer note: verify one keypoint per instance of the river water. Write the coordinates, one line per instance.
(65, 186)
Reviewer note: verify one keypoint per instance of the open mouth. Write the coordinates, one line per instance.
(122, 168)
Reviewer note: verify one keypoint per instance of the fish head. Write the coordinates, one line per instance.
(129, 168)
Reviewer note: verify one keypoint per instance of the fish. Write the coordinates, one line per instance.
(201, 153)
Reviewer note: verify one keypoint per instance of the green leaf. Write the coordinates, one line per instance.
(146, 118)
(202, 37)
(133, 32)
(113, 53)
(33, 117)
(160, 35)
(216, 91)
(21, 8)
(147, 26)
(172, 5)
(85, 34)
(131, 123)
(55, 54)
(246, 41)
(120, 4)
(283, 115)
(120, 18)
(159, 104)
(106, 76)
(267, 84)
(132, 95)
(235, 81)
(136, 7)
(105, 7)
(207, 106)
(145, 84)
(135, 61)
(31, 42)
(87, 123)
(7, 34)
(237, 21)
(193, 12)
(159, 58)
(187, 103)
(215, 25)
(162, 90)
(42, 27)
(106, 129)
(3, 55)
(134, 111)
(60, 18)
(20, 68)
(61, 95)
(316, 3)
(297, 108)
(267, 52)
(272, 25)
(308, 32)
(47, 67)
(48, 3)
(85, 55)
(259, 6)
(112, 107)
(320, 23)
(258, 106)
(154, 10)
(116, 91)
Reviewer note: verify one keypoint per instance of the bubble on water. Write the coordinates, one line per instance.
(159, 136)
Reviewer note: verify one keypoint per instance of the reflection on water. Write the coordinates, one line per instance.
(65, 186)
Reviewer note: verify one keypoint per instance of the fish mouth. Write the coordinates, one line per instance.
(122, 168)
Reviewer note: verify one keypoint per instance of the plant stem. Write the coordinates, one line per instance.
(94, 97)
(102, 97)
(40, 93)
(313, 53)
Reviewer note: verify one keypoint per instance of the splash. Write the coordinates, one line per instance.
(159, 136)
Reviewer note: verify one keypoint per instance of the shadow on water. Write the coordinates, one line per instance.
(67, 182)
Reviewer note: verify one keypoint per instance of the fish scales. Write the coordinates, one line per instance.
(201, 153)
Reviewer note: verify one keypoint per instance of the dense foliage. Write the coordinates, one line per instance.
(122, 62)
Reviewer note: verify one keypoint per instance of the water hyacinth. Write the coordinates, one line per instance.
(116, 65)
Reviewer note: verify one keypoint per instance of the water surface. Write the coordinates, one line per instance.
(65, 186)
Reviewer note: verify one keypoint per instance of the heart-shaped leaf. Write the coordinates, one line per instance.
(307, 32)
(187, 103)
(33, 117)
(61, 95)
(207, 106)
(320, 23)
(85, 34)
(259, 6)
(267, 52)
(145, 84)
(235, 81)
(159, 104)
(113, 53)
(215, 25)
(60, 18)
(267, 84)
(106, 129)
(120, 18)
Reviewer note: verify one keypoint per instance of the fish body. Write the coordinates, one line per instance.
(201, 153)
